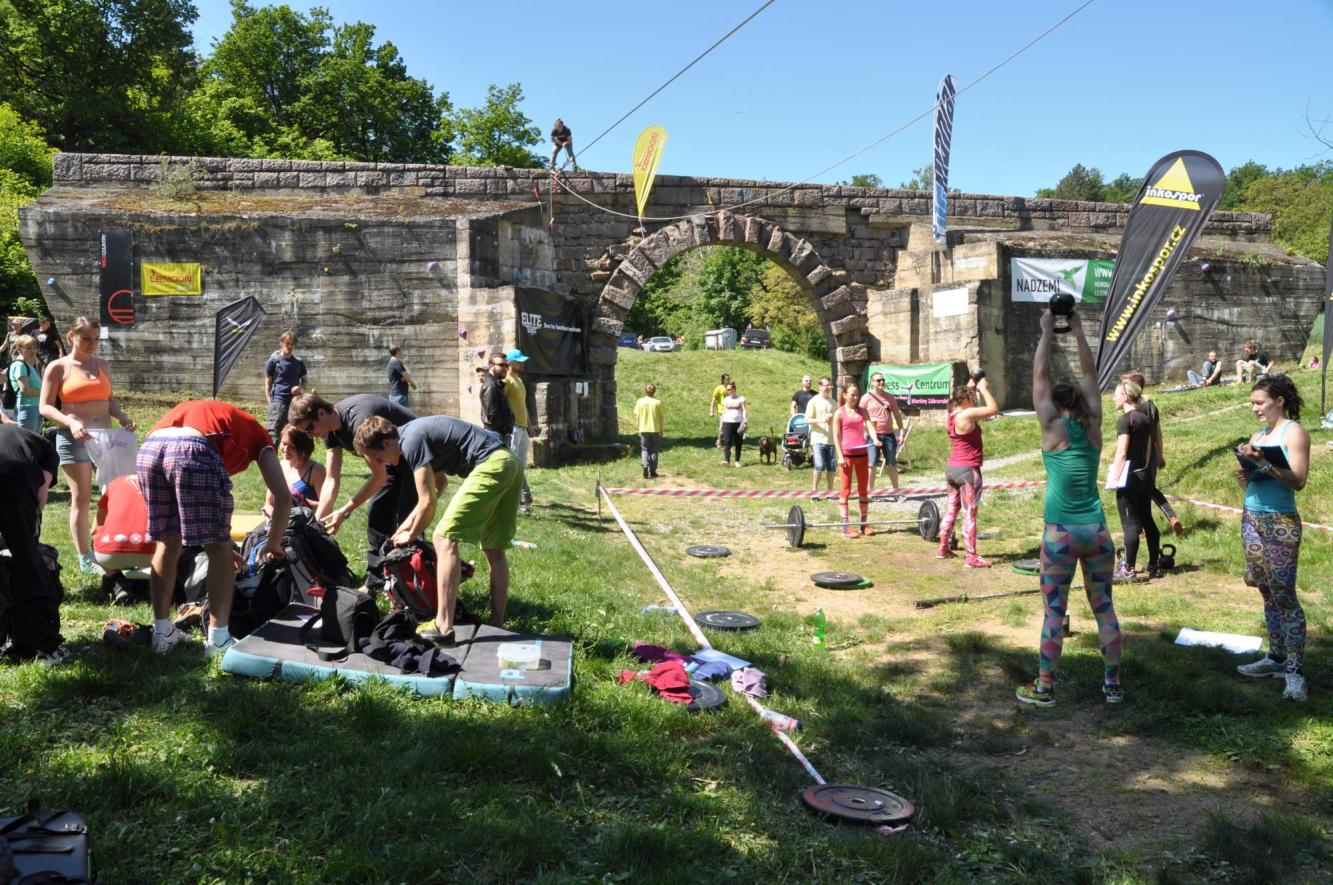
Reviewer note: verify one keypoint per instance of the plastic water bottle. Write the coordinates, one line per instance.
(780, 721)
(523, 545)
(669, 609)
(820, 624)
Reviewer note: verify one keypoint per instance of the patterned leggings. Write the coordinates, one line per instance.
(1063, 547)
(1272, 547)
(965, 493)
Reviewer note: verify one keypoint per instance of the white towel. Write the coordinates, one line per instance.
(113, 450)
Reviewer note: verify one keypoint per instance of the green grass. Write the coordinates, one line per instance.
(190, 775)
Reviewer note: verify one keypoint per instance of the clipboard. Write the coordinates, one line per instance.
(1121, 481)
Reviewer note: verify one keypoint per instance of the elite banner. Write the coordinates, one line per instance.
(1328, 324)
(925, 386)
(552, 332)
(647, 155)
(1037, 279)
(236, 325)
(115, 279)
(161, 278)
(1172, 206)
(943, 137)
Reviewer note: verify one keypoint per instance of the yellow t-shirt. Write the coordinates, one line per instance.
(817, 414)
(517, 394)
(648, 411)
(719, 393)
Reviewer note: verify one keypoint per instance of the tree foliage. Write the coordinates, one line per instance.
(780, 303)
(922, 179)
(25, 169)
(1300, 201)
(495, 134)
(866, 180)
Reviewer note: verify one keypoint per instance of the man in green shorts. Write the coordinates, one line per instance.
(483, 511)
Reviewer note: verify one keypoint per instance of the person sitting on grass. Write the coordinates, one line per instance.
(1270, 528)
(853, 438)
(305, 476)
(483, 511)
(1253, 363)
(1211, 371)
(1071, 447)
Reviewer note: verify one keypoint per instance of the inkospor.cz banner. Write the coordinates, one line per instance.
(160, 278)
(552, 333)
(1037, 279)
(1171, 208)
(925, 386)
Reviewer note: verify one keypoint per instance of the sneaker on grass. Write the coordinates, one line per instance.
(1031, 693)
(1295, 689)
(216, 651)
(165, 642)
(977, 562)
(1115, 694)
(1265, 666)
(62, 654)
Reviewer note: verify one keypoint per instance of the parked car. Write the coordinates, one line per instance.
(756, 339)
(628, 339)
(659, 344)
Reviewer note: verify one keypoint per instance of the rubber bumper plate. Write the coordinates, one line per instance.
(707, 551)
(706, 696)
(837, 580)
(719, 620)
(1027, 566)
(861, 804)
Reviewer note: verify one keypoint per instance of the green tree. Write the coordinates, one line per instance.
(1301, 201)
(97, 75)
(1080, 183)
(25, 170)
(866, 180)
(1237, 180)
(1121, 189)
(922, 179)
(495, 134)
(780, 303)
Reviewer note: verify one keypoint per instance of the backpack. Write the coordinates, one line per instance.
(409, 579)
(45, 847)
(346, 616)
(314, 558)
(9, 397)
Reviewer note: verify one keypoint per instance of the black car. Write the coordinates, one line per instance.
(756, 339)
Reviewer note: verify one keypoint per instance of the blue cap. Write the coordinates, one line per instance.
(516, 356)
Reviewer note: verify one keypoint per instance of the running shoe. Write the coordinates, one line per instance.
(62, 654)
(88, 565)
(165, 642)
(1154, 572)
(1265, 666)
(1032, 694)
(867, 530)
(1295, 689)
(945, 553)
(214, 651)
(1115, 694)
(977, 562)
(1124, 575)
(850, 532)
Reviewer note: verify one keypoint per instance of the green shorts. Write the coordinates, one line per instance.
(484, 510)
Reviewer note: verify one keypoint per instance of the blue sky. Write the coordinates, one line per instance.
(806, 84)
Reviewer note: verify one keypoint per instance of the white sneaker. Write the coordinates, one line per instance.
(1265, 666)
(88, 565)
(167, 641)
(215, 651)
(61, 654)
(1295, 687)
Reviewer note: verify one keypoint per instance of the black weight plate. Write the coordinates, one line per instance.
(928, 521)
(707, 551)
(720, 620)
(706, 696)
(1027, 566)
(862, 804)
(837, 580)
(796, 526)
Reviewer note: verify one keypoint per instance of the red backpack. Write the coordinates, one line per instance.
(409, 579)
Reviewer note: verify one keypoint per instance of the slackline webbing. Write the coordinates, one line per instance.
(698, 634)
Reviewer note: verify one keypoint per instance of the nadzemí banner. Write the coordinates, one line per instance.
(161, 278)
(925, 386)
(1171, 208)
(1037, 279)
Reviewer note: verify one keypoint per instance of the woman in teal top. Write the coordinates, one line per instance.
(1071, 447)
(1270, 528)
(26, 381)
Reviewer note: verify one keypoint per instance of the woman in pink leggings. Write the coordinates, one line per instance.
(968, 407)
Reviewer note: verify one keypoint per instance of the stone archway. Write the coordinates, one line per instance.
(844, 327)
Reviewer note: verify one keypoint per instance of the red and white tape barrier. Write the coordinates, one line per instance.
(765, 494)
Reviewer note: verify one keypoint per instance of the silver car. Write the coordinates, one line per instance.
(659, 344)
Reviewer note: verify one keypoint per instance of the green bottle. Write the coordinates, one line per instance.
(820, 623)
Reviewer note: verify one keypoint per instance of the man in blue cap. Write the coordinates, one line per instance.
(517, 394)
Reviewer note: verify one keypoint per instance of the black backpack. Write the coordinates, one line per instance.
(313, 556)
(346, 616)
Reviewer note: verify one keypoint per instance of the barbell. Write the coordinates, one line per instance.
(927, 523)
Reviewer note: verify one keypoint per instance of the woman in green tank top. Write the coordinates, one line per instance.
(1071, 446)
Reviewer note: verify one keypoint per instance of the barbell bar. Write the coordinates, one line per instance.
(927, 523)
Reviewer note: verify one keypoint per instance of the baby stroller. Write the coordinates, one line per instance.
(795, 442)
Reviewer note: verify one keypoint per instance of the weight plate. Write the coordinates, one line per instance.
(707, 551)
(706, 696)
(928, 521)
(796, 526)
(1027, 566)
(862, 804)
(720, 620)
(836, 580)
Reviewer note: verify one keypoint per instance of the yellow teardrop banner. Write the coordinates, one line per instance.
(647, 154)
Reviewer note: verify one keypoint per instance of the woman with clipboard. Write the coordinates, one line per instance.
(1133, 493)
(1275, 464)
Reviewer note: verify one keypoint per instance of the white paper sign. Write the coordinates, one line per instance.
(949, 303)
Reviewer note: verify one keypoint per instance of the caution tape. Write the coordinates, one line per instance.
(776, 494)
(1225, 509)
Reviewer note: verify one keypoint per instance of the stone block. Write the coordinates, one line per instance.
(803, 256)
(728, 230)
(853, 353)
(819, 274)
(267, 179)
(608, 324)
(851, 325)
(106, 172)
(212, 164)
(703, 231)
(620, 290)
(289, 179)
(68, 167)
(778, 242)
(601, 356)
(469, 186)
(245, 165)
(275, 165)
(311, 179)
(371, 178)
(754, 228)
(340, 179)
(838, 303)
(403, 179)
(657, 249)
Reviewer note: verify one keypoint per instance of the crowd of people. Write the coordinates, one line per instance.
(177, 481)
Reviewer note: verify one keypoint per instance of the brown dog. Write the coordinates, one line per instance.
(768, 449)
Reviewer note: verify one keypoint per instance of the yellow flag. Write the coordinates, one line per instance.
(647, 154)
(161, 278)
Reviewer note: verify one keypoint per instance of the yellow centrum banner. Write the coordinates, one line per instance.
(171, 279)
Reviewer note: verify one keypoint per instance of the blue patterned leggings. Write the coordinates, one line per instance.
(1272, 548)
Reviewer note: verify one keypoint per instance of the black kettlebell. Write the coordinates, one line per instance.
(1167, 560)
(1062, 306)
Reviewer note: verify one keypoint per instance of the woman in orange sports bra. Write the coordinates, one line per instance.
(83, 385)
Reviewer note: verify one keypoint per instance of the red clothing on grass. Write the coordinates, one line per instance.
(235, 433)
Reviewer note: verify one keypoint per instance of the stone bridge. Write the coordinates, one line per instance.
(355, 256)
